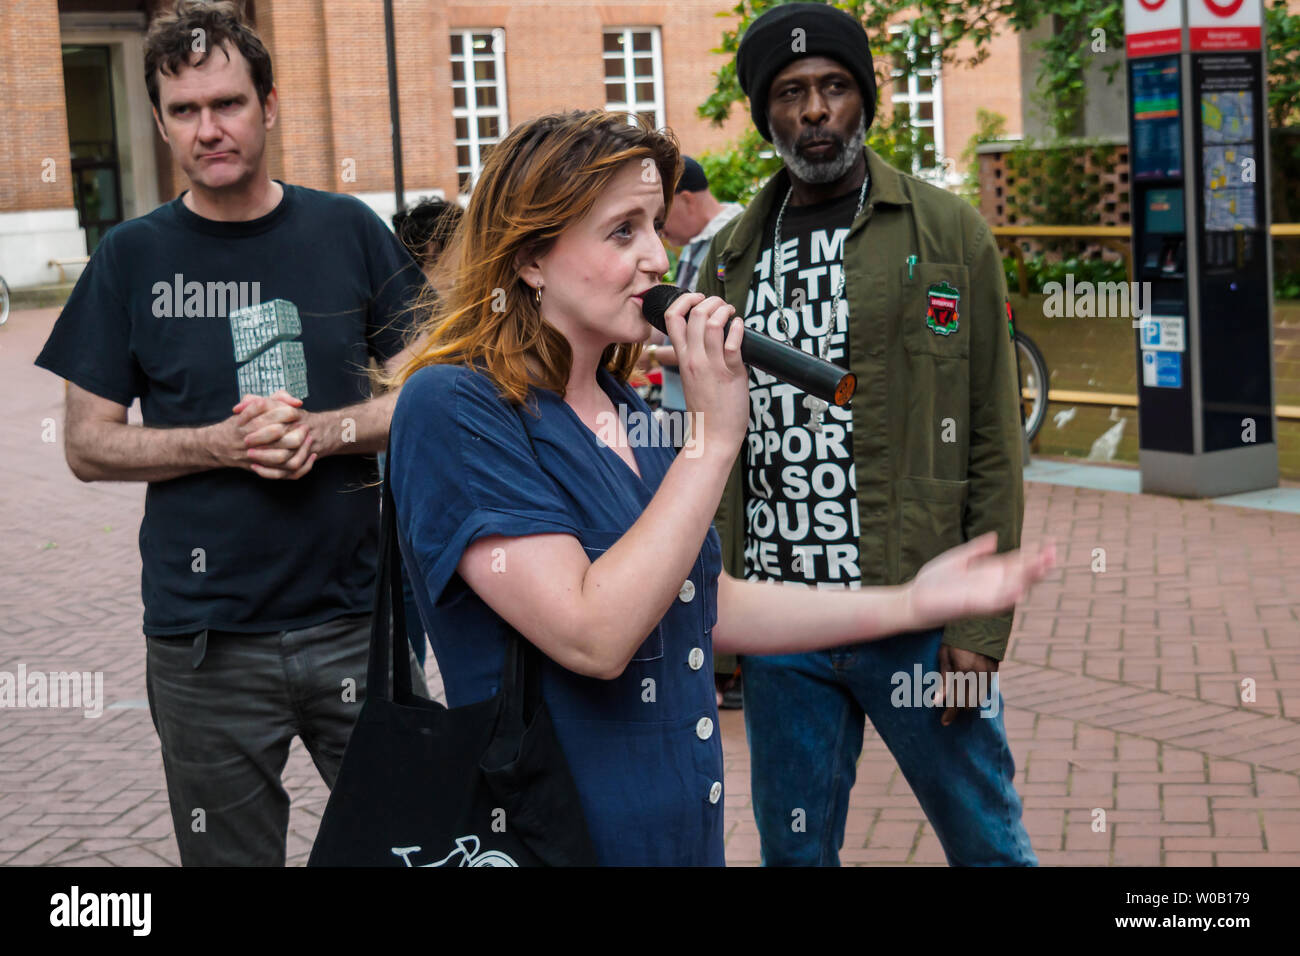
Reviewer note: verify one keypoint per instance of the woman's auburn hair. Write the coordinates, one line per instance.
(542, 178)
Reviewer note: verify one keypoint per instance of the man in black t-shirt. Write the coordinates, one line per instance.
(243, 316)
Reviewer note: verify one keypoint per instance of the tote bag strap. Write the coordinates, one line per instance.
(521, 676)
(388, 654)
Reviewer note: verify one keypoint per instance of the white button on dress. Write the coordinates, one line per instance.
(687, 593)
(715, 791)
(704, 728)
(696, 658)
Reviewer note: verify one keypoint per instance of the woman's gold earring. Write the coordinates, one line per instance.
(537, 296)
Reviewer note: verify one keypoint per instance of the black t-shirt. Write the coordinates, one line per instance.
(188, 314)
(801, 509)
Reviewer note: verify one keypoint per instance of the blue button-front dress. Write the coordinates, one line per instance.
(644, 748)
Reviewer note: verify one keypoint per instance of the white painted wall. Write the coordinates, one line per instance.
(29, 239)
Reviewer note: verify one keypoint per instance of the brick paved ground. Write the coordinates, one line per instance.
(1123, 687)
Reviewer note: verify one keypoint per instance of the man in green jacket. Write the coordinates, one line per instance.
(926, 456)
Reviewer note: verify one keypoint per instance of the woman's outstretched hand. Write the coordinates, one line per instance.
(970, 580)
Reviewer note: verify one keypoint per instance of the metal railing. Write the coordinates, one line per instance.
(1118, 238)
(1065, 396)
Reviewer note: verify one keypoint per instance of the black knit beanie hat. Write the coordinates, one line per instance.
(771, 44)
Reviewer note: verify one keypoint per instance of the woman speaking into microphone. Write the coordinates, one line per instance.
(515, 515)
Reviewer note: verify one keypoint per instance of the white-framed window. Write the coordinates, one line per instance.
(634, 72)
(478, 91)
(918, 99)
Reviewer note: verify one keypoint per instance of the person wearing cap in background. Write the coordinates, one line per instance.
(901, 282)
(694, 220)
(695, 217)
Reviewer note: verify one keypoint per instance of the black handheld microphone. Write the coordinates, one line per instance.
(816, 376)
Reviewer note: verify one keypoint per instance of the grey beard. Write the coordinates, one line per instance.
(829, 170)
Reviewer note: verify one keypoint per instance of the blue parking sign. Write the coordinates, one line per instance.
(1169, 370)
(1162, 369)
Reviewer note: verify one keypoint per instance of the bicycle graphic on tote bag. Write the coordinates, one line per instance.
(467, 848)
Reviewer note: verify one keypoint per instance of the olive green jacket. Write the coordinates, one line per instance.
(936, 420)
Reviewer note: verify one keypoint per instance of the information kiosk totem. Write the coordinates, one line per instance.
(1198, 154)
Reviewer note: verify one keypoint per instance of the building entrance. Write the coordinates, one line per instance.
(92, 135)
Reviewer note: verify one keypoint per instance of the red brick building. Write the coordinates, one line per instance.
(81, 152)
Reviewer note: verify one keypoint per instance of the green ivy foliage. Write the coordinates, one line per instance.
(736, 174)
(1283, 32)
(1053, 183)
(990, 127)
(1287, 286)
(1040, 270)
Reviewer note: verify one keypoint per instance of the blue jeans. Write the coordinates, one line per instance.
(804, 717)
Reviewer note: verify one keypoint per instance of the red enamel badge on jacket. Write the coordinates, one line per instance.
(942, 315)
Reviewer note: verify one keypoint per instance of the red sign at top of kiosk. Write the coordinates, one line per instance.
(1156, 26)
(1225, 24)
(1153, 26)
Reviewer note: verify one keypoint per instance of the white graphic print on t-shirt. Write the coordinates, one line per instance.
(801, 509)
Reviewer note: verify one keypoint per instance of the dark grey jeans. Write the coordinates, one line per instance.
(227, 706)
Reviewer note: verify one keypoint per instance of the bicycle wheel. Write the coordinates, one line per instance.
(1033, 383)
(4, 301)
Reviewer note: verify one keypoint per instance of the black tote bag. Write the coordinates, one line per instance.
(423, 785)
